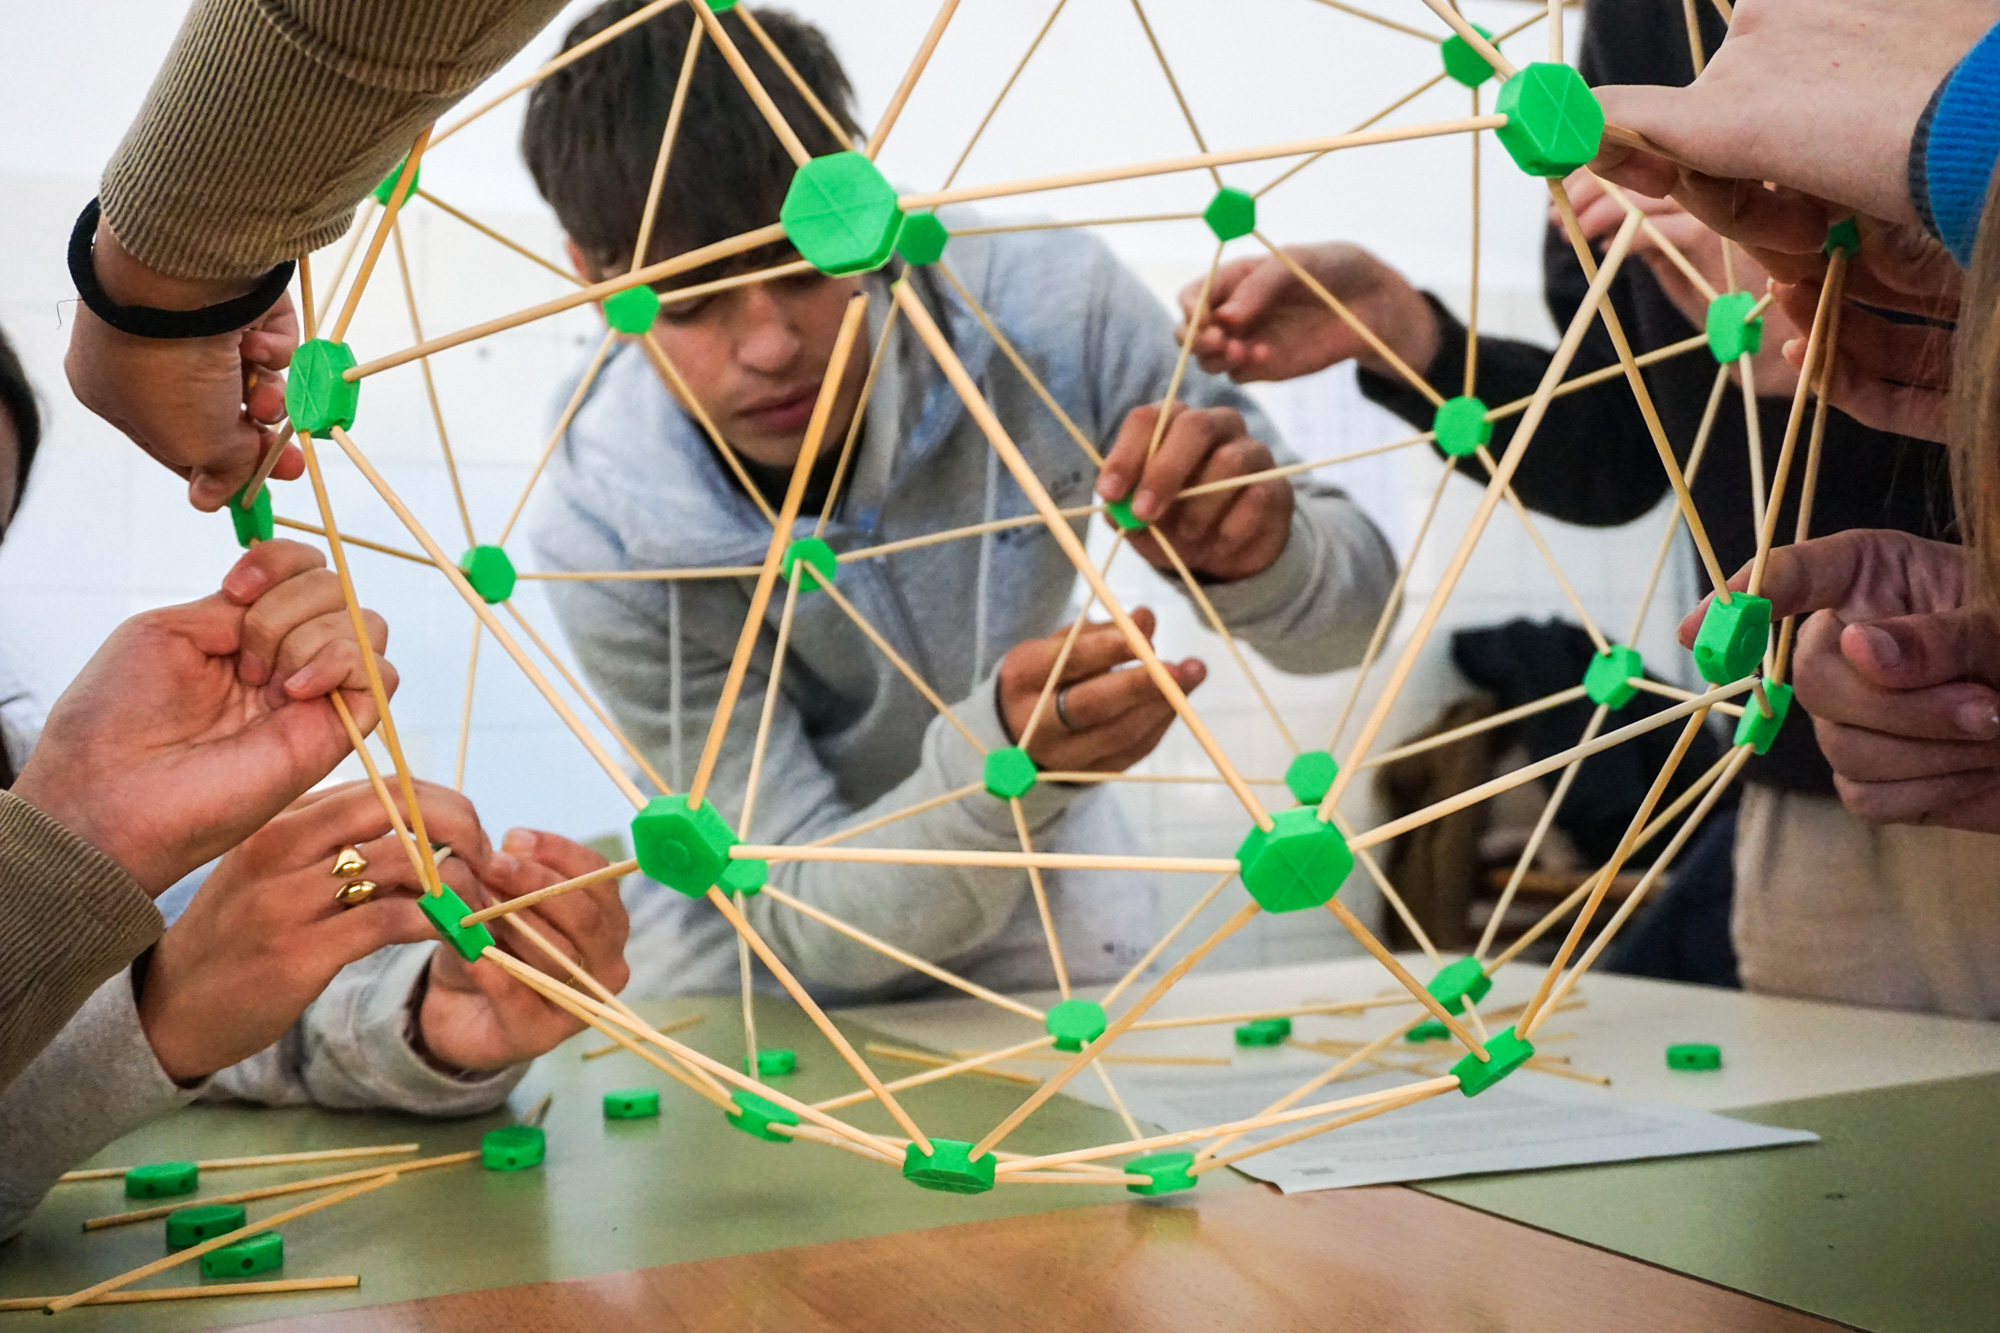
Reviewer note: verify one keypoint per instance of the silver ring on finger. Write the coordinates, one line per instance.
(1062, 710)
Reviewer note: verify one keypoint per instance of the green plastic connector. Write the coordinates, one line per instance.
(388, 184)
(1301, 862)
(759, 1116)
(631, 311)
(775, 1062)
(1169, 1172)
(261, 1253)
(949, 1168)
(1753, 728)
(513, 1148)
(1309, 777)
(632, 1104)
(316, 397)
(1428, 1030)
(254, 524)
(1730, 333)
(1462, 62)
(1732, 638)
(745, 877)
(1075, 1023)
(819, 558)
(1461, 426)
(1554, 122)
(1509, 1053)
(922, 239)
(1009, 773)
(1120, 512)
(1264, 1032)
(446, 910)
(1230, 214)
(686, 850)
(161, 1180)
(841, 214)
(721, 6)
(202, 1221)
(1694, 1055)
(490, 573)
(1608, 679)
(1843, 237)
(1458, 982)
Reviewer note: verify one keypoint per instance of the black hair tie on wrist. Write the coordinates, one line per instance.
(145, 321)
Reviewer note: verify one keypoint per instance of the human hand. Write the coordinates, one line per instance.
(1225, 534)
(1109, 715)
(195, 724)
(1895, 663)
(201, 406)
(1263, 323)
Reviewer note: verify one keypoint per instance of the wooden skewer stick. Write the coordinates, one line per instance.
(638, 575)
(684, 394)
(603, 716)
(296, 526)
(1177, 779)
(1666, 691)
(1503, 68)
(315, 315)
(1174, 85)
(275, 1288)
(1814, 378)
(688, 1076)
(1534, 531)
(1005, 88)
(1501, 719)
(267, 464)
(267, 1159)
(1354, 321)
(1221, 628)
(967, 1066)
(568, 415)
(883, 821)
(940, 1062)
(773, 683)
(492, 235)
(405, 178)
(1390, 24)
(430, 386)
(1367, 940)
(773, 117)
(381, 788)
(1021, 366)
(901, 96)
(1001, 228)
(895, 658)
(791, 73)
(642, 246)
(679, 1025)
(1700, 450)
(918, 856)
(1388, 892)
(957, 534)
(1364, 1054)
(1161, 1060)
(1543, 823)
(1049, 936)
(1045, 696)
(280, 1191)
(1296, 1011)
(1433, 1088)
(884, 341)
(1138, 969)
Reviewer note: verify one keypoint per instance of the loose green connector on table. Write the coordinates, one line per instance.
(202, 1221)
(1169, 1171)
(757, 1116)
(261, 1253)
(1461, 427)
(317, 398)
(513, 1148)
(1730, 334)
(631, 311)
(1554, 122)
(1508, 1052)
(1075, 1023)
(949, 1168)
(686, 850)
(1457, 983)
(446, 911)
(1694, 1055)
(1608, 679)
(922, 239)
(632, 1104)
(254, 524)
(1264, 1032)
(840, 213)
(819, 558)
(1230, 214)
(161, 1180)
(1008, 773)
(773, 1062)
(1301, 862)
(490, 572)
(1309, 777)
(1756, 730)
(1732, 638)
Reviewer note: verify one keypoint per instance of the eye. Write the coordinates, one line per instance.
(683, 312)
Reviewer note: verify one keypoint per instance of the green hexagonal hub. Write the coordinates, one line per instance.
(1608, 678)
(1843, 237)
(490, 573)
(922, 239)
(161, 1180)
(1756, 730)
(686, 850)
(1733, 637)
(1730, 333)
(1301, 862)
(1694, 1055)
(819, 558)
(1009, 773)
(1264, 1032)
(446, 910)
(631, 311)
(202, 1221)
(721, 6)
(1457, 983)
(841, 214)
(1169, 1172)
(1554, 122)
(1462, 62)
(1428, 1030)
(773, 1062)
(760, 1117)
(745, 876)
(316, 397)
(387, 186)
(1309, 777)
(1075, 1023)
(1508, 1053)
(254, 524)
(632, 1104)
(1230, 214)
(1461, 427)
(513, 1148)
(1120, 512)
(261, 1253)
(949, 1168)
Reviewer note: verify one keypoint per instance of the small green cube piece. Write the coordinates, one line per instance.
(1075, 1023)
(161, 1180)
(1843, 236)
(759, 1116)
(387, 186)
(1509, 1053)
(1463, 63)
(490, 573)
(949, 1168)
(316, 397)
(1121, 513)
(261, 1253)
(1608, 679)
(1554, 122)
(922, 239)
(202, 1221)
(253, 524)
(513, 1148)
(1230, 214)
(1428, 1030)
(1301, 862)
(1309, 777)
(446, 910)
(1264, 1032)
(819, 558)
(686, 850)
(841, 214)
(632, 1104)
(631, 311)
(1753, 728)
(1731, 334)
(1169, 1172)
(1009, 773)
(1732, 638)
(1461, 427)
(745, 877)
(775, 1062)
(1694, 1055)
(1458, 982)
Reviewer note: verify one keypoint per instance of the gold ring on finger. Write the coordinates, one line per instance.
(355, 892)
(349, 863)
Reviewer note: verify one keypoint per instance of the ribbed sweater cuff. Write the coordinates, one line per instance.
(1955, 146)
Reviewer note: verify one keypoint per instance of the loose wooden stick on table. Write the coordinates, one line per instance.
(279, 1191)
(276, 1288)
(268, 1159)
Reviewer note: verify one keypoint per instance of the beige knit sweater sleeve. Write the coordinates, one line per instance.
(272, 118)
(69, 918)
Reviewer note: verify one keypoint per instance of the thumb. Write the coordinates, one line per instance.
(1252, 295)
(1917, 651)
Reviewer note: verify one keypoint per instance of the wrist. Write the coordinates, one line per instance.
(1413, 333)
(129, 281)
(68, 806)
(422, 1007)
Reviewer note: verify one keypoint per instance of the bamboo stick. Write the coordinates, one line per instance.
(267, 1159)
(555, 439)
(296, 526)
(280, 1191)
(492, 235)
(1365, 1053)
(1138, 969)
(1295, 1011)
(680, 1025)
(617, 870)
(940, 1062)
(921, 856)
(684, 394)
(972, 1065)
(1484, 724)
(748, 78)
(1005, 88)
(900, 98)
(1543, 823)
(597, 710)
(1390, 24)
(151, 1294)
(430, 385)
(791, 73)
(405, 178)
(1435, 1088)
(883, 646)
(1503, 68)
(639, 575)
(883, 821)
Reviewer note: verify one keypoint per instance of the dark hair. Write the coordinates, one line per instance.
(593, 129)
(17, 400)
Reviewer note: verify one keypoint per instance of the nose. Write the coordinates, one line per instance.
(766, 342)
